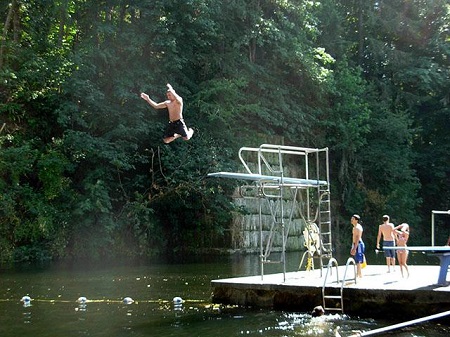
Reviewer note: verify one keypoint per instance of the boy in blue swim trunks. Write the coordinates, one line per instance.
(174, 104)
(386, 229)
(358, 246)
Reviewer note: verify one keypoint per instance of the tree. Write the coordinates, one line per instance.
(83, 171)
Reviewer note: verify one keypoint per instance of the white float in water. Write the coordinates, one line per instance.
(25, 299)
(177, 300)
(82, 300)
(128, 300)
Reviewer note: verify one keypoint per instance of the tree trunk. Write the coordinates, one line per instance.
(5, 33)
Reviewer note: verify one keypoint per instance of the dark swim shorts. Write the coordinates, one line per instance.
(174, 127)
(389, 252)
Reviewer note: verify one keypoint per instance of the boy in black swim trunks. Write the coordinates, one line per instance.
(174, 104)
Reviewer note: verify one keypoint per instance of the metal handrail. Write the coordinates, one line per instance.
(307, 252)
(280, 149)
(332, 261)
(350, 260)
(329, 266)
(402, 325)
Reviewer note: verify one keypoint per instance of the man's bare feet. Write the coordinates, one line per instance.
(190, 132)
(171, 139)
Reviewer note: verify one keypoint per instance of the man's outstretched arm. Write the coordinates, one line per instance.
(172, 90)
(155, 105)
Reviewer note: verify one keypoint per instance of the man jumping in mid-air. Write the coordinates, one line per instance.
(176, 128)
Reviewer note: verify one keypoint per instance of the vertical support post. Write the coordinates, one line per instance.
(283, 250)
(432, 223)
(308, 211)
(261, 252)
(432, 228)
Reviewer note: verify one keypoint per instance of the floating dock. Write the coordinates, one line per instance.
(294, 182)
(378, 294)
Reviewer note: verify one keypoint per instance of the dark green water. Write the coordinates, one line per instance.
(55, 312)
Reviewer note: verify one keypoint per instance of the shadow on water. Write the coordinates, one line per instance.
(54, 310)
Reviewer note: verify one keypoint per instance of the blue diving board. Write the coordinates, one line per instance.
(442, 252)
(271, 179)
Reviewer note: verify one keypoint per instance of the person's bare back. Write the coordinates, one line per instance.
(387, 231)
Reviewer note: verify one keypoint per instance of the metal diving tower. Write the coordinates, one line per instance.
(291, 181)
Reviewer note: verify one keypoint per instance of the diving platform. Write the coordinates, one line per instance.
(292, 182)
(278, 180)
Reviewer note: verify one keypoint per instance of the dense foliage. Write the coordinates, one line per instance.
(83, 170)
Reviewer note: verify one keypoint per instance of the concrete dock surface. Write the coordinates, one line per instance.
(377, 294)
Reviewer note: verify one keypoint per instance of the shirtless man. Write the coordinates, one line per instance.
(176, 128)
(386, 229)
(358, 247)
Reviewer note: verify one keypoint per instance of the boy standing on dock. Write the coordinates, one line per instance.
(358, 246)
(386, 229)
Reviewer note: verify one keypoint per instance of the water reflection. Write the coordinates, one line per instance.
(27, 317)
(167, 300)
